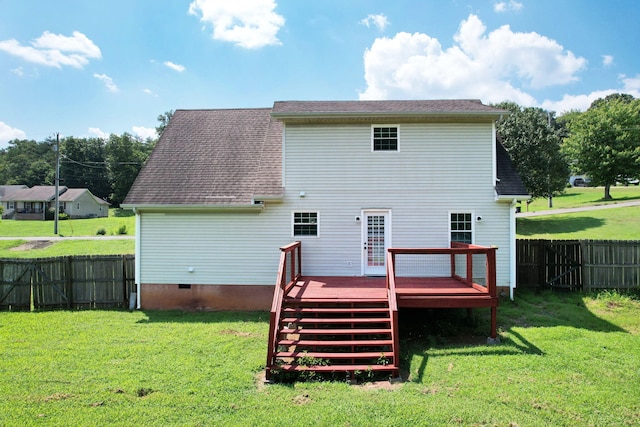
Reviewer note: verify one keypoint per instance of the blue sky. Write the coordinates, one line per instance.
(91, 68)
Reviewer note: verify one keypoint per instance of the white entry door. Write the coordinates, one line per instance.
(376, 238)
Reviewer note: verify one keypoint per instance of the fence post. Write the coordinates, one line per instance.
(68, 280)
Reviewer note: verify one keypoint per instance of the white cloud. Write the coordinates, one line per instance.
(19, 71)
(379, 21)
(630, 85)
(55, 50)
(97, 132)
(493, 67)
(108, 82)
(607, 60)
(150, 92)
(144, 132)
(250, 24)
(505, 6)
(7, 133)
(176, 67)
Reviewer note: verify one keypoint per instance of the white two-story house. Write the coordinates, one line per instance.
(224, 189)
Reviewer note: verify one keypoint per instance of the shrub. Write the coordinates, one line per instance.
(122, 230)
(63, 216)
(101, 232)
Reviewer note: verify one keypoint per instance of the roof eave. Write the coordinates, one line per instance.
(512, 197)
(148, 207)
(418, 115)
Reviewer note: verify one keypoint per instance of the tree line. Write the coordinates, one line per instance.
(602, 143)
(107, 167)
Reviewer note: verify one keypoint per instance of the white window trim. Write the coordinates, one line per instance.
(293, 223)
(473, 225)
(385, 126)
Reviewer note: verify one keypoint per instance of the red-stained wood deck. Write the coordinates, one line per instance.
(345, 320)
(410, 291)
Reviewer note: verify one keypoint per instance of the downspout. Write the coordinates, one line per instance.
(512, 248)
(138, 260)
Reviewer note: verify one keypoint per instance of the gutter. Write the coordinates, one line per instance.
(255, 207)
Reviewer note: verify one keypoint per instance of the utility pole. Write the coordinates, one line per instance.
(55, 217)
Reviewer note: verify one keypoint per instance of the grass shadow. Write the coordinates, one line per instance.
(430, 333)
(555, 225)
(178, 316)
(123, 213)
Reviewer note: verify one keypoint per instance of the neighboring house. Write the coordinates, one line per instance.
(224, 189)
(81, 203)
(32, 203)
(8, 207)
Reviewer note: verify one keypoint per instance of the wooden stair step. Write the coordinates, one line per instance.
(346, 331)
(335, 320)
(289, 300)
(337, 368)
(337, 310)
(335, 343)
(339, 355)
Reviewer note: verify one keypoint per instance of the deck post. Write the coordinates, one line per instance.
(469, 278)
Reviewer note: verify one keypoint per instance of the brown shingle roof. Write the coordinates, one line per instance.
(213, 157)
(284, 109)
(509, 181)
(38, 193)
(234, 157)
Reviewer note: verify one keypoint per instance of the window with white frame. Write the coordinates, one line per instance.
(385, 138)
(461, 227)
(305, 224)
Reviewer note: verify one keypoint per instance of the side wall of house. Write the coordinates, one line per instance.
(211, 260)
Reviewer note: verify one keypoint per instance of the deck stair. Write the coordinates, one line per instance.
(335, 337)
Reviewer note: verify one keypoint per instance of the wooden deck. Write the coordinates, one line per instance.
(410, 291)
(344, 321)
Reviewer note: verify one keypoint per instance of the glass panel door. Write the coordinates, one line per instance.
(375, 242)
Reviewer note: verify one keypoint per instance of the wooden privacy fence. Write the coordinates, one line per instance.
(67, 282)
(578, 264)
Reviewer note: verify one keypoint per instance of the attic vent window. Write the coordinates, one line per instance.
(385, 138)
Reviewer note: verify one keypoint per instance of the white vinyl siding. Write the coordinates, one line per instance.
(221, 248)
(442, 168)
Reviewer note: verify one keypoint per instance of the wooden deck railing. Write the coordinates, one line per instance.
(460, 249)
(289, 271)
(393, 306)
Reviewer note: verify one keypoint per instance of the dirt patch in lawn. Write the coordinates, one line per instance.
(35, 244)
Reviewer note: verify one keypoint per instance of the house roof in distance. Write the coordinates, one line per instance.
(37, 193)
(209, 158)
(72, 194)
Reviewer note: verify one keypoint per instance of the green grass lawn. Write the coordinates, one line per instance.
(585, 196)
(117, 220)
(72, 227)
(606, 224)
(566, 359)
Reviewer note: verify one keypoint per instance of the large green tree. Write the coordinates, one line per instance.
(125, 155)
(28, 162)
(604, 141)
(532, 138)
(163, 122)
(83, 165)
